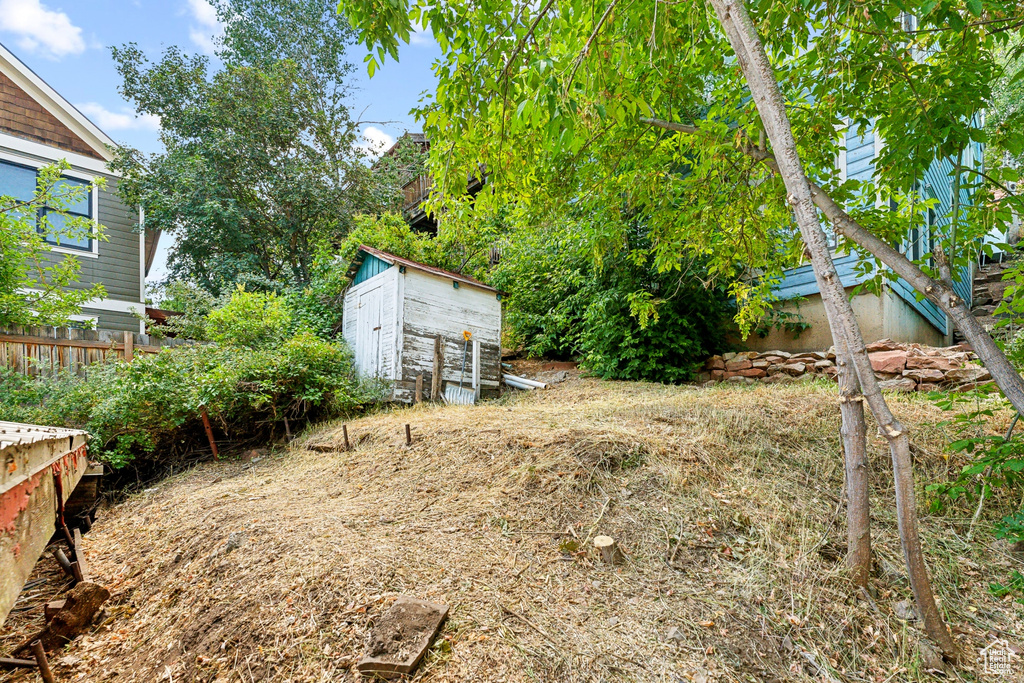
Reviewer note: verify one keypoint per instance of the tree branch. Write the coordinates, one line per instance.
(586, 47)
(939, 293)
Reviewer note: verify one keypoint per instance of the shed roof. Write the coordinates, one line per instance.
(398, 260)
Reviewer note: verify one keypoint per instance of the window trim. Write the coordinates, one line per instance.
(94, 244)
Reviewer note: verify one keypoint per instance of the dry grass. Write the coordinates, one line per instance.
(740, 487)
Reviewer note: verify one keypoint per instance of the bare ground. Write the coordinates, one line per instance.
(726, 501)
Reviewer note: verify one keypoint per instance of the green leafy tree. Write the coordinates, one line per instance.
(36, 287)
(1004, 116)
(261, 166)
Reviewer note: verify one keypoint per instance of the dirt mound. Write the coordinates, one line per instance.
(726, 502)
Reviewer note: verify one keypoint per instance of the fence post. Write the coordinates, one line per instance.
(129, 346)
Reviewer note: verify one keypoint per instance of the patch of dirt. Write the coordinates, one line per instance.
(726, 501)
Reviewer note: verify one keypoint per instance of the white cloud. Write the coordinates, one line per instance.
(125, 119)
(375, 141)
(207, 27)
(421, 37)
(41, 30)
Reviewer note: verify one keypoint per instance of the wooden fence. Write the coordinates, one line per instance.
(47, 350)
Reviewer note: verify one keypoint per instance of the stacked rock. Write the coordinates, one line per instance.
(898, 367)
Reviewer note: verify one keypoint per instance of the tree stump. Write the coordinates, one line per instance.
(608, 549)
(80, 606)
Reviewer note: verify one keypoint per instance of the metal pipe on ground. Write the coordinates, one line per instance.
(523, 380)
(44, 666)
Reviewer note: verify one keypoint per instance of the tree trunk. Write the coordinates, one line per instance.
(760, 78)
(939, 293)
(858, 506)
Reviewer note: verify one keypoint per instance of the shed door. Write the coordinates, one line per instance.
(368, 360)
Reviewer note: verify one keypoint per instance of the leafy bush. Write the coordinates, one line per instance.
(252, 319)
(261, 368)
(454, 248)
(621, 315)
(148, 408)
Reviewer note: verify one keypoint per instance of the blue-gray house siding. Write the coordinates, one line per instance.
(936, 184)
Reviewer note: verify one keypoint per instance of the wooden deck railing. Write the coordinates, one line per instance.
(47, 350)
(416, 190)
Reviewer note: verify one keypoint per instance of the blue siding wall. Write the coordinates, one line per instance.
(937, 184)
(371, 266)
(800, 281)
(860, 153)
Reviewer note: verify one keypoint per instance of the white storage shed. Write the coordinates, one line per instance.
(402, 319)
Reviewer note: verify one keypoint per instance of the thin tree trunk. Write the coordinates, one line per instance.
(858, 506)
(760, 78)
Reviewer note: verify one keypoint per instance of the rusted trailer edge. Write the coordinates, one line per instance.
(39, 463)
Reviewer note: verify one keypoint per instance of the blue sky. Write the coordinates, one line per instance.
(67, 43)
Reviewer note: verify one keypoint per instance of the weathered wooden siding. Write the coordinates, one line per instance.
(432, 306)
(374, 349)
(371, 266)
(411, 308)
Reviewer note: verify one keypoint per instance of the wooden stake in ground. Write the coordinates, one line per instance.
(608, 549)
(438, 369)
(129, 346)
(209, 431)
(760, 77)
(83, 568)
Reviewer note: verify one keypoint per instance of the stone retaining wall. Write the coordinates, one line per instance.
(899, 367)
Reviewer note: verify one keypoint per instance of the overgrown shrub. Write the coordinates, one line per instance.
(620, 315)
(261, 368)
(455, 249)
(251, 319)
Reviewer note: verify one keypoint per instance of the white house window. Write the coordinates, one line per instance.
(18, 182)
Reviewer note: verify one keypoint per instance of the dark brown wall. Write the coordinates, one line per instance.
(22, 116)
